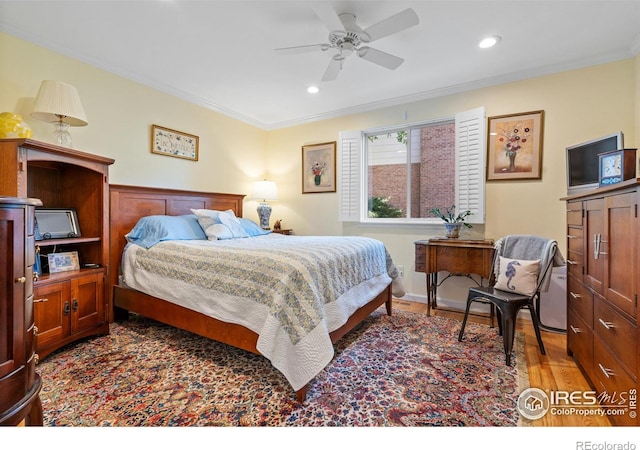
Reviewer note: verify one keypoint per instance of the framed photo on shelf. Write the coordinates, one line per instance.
(616, 166)
(514, 147)
(165, 141)
(63, 262)
(319, 168)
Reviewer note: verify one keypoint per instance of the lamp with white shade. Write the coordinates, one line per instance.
(264, 190)
(59, 103)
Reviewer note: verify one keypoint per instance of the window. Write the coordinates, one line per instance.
(398, 174)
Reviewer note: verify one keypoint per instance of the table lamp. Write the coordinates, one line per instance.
(59, 103)
(263, 191)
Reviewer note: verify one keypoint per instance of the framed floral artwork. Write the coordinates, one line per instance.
(514, 148)
(319, 168)
(165, 141)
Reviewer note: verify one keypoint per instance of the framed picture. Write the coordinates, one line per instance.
(62, 262)
(616, 166)
(165, 141)
(514, 148)
(319, 168)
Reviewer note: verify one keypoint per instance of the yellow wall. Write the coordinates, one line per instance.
(120, 113)
(579, 105)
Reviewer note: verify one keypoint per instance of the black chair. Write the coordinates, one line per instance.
(508, 303)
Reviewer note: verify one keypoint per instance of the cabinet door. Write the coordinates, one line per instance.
(12, 228)
(620, 244)
(52, 310)
(87, 302)
(594, 261)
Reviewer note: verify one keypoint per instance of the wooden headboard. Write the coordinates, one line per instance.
(129, 203)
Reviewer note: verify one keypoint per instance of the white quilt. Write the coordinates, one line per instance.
(290, 290)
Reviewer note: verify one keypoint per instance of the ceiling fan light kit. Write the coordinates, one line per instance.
(346, 38)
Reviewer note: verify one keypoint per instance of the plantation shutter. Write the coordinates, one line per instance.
(470, 163)
(349, 167)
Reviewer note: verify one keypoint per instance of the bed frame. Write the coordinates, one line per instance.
(130, 203)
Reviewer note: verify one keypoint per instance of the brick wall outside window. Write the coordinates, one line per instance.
(431, 179)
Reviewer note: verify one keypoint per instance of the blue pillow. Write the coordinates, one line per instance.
(252, 228)
(153, 229)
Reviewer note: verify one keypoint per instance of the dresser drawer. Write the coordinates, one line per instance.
(580, 342)
(611, 381)
(580, 300)
(575, 263)
(574, 213)
(617, 333)
(575, 239)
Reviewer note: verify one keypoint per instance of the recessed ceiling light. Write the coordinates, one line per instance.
(489, 41)
(313, 89)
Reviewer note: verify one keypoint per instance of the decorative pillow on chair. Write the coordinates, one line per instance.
(519, 276)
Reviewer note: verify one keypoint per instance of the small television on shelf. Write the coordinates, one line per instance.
(56, 223)
(583, 161)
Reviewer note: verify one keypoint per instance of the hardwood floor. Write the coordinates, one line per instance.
(553, 371)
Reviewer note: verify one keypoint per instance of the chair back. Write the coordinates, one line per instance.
(527, 247)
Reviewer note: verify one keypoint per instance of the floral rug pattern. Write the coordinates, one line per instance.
(403, 370)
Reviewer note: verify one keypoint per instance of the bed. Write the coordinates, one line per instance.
(297, 340)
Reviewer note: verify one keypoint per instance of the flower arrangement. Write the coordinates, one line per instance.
(449, 216)
(318, 168)
(514, 137)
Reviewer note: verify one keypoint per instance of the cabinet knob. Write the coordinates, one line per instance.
(35, 276)
(21, 280)
(36, 358)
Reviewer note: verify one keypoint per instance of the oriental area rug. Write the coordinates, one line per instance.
(403, 370)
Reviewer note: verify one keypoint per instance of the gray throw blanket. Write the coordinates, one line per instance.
(531, 248)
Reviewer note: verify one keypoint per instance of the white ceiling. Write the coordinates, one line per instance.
(220, 54)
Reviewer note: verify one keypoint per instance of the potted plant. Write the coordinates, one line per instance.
(452, 222)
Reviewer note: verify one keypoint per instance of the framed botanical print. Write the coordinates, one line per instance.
(514, 147)
(319, 168)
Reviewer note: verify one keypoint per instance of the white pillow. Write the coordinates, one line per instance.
(219, 224)
(519, 276)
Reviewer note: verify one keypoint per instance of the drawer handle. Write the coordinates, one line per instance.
(575, 330)
(40, 300)
(574, 295)
(607, 325)
(21, 280)
(571, 262)
(607, 372)
(36, 358)
(571, 236)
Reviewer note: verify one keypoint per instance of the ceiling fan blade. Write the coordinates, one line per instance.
(327, 16)
(379, 57)
(398, 22)
(302, 49)
(333, 69)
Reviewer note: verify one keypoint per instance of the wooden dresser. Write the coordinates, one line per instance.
(603, 282)
(74, 304)
(19, 382)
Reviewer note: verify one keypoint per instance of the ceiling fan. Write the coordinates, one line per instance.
(346, 38)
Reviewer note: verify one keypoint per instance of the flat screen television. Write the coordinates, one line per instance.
(582, 161)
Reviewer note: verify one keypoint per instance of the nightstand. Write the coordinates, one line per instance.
(287, 232)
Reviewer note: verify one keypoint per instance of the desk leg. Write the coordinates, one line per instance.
(432, 284)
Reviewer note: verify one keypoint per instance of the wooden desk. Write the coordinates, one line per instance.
(459, 257)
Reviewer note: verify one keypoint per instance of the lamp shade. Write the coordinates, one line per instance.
(264, 190)
(59, 102)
